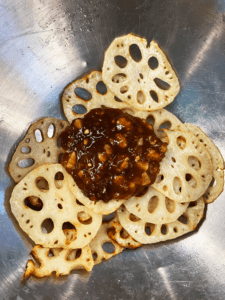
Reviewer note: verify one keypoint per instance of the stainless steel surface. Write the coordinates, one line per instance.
(45, 44)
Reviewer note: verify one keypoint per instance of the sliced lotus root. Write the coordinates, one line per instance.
(186, 170)
(61, 261)
(161, 119)
(58, 220)
(139, 74)
(121, 236)
(102, 246)
(99, 207)
(148, 233)
(74, 106)
(154, 207)
(39, 146)
(217, 184)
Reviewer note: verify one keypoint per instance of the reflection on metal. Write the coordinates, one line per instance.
(210, 41)
(162, 271)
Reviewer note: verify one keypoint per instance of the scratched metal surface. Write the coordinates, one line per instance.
(46, 44)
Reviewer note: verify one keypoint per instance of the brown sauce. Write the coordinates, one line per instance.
(111, 154)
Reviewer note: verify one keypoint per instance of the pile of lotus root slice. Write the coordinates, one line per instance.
(68, 228)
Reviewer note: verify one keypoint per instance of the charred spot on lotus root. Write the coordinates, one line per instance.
(42, 184)
(101, 88)
(149, 228)
(191, 180)
(108, 247)
(120, 61)
(135, 52)
(194, 163)
(154, 96)
(153, 63)
(84, 218)
(181, 142)
(177, 187)
(33, 202)
(47, 226)
(153, 204)
(170, 205)
(118, 78)
(59, 177)
(83, 94)
(163, 85)
(79, 203)
(79, 109)
(51, 131)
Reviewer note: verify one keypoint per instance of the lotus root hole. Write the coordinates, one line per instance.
(140, 97)
(151, 120)
(118, 78)
(108, 247)
(38, 135)
(191, 180)
(153, 63)
(134, 218)
(59, 177)
(25, 163)
(83, 94)
(42, 184)
(183, 219)
(181, 142)
(165, 125)
(69, 231)
(33, 203)
(51, 131)
(84, 218)
(50, 253)
(123, 233)
(194, 163)
(120, 61)
(79, 109)
(26, 149)
(175, 229)
(159, 178)
(154, 96)
(192, 204)
(135, 52)
(165, 188)
(128, 110)
(101, 88)
(94, 256)
(109, 217)
(79, 203)
(163, 85)
(47, 226)
(74, 254)
(213, 182)
(60, 206)
(124, 89)
(141, 76)
(170, 205)
(164, 229)
(177, 185)
(27, 141)
(173, 159)
(153, 204)
(149, 228)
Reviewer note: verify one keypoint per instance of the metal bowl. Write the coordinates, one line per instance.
(44, 45)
